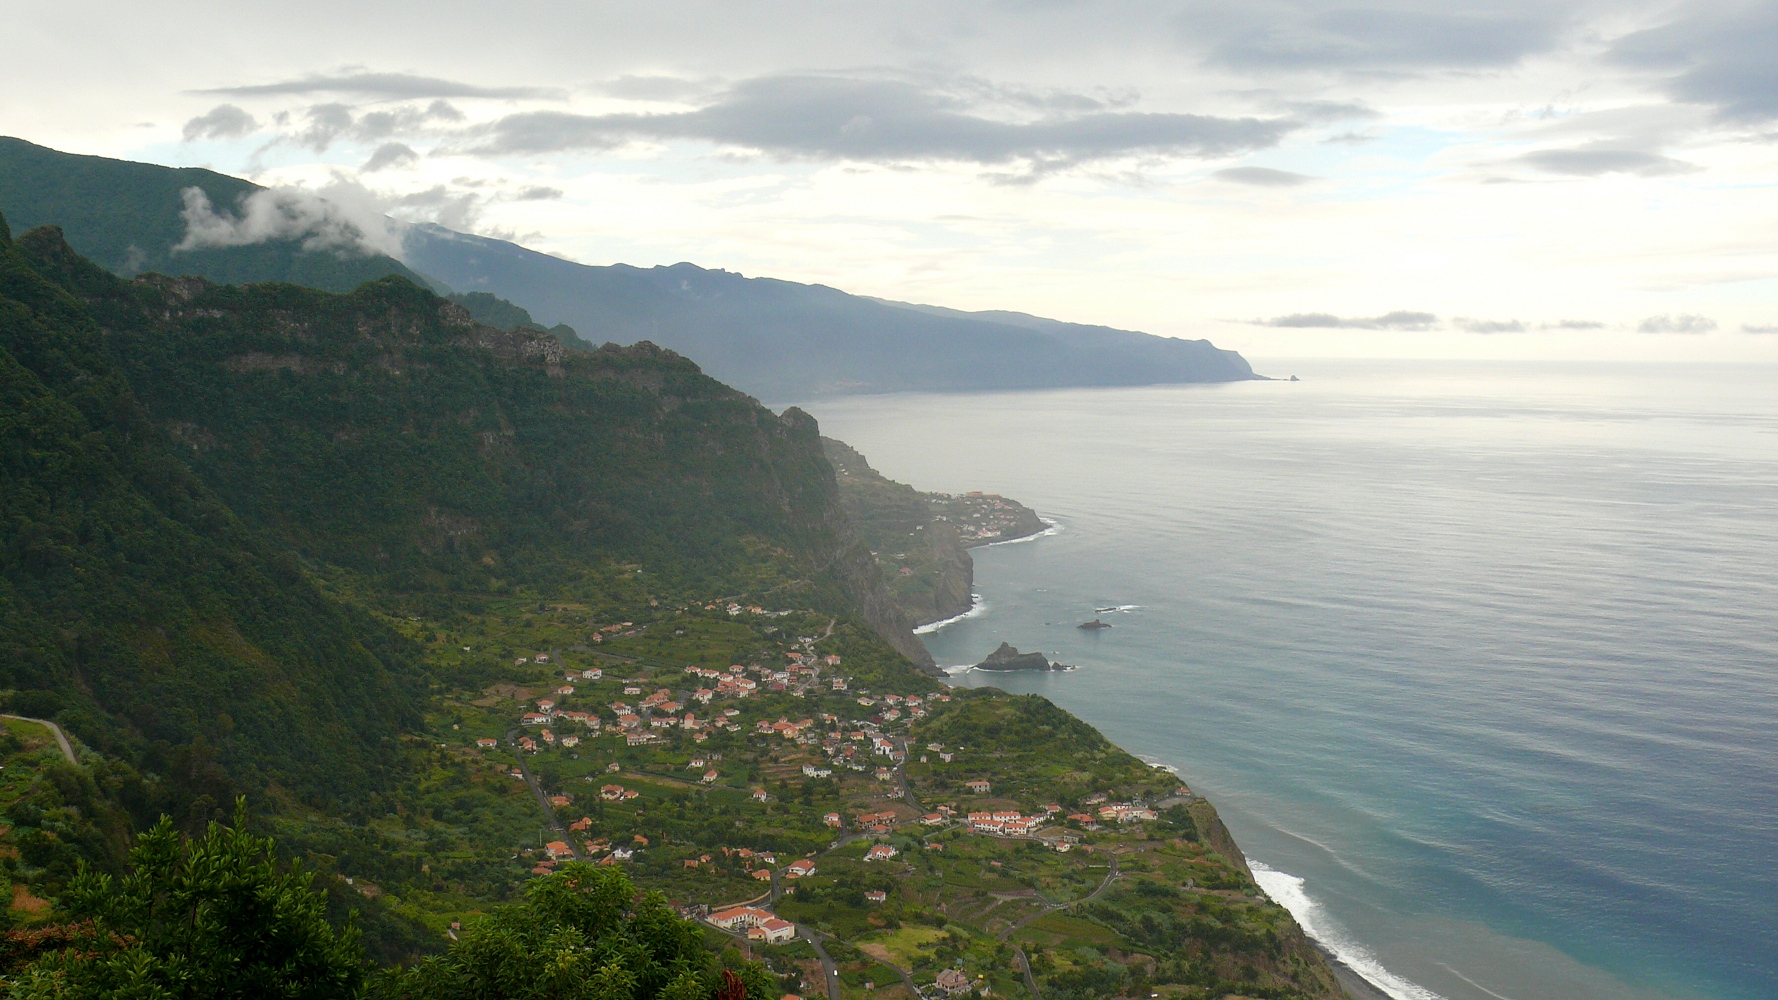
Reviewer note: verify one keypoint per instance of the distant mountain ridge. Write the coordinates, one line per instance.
(784, 341)
(780, 341)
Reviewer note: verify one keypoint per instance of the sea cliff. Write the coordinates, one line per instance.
(923, 539)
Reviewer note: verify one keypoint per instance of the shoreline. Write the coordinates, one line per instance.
(1352, 982)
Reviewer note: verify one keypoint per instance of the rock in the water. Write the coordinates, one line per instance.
(1007, 657)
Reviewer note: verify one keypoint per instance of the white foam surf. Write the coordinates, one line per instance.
(977, 608)
(1287, 891)
(1055, 528)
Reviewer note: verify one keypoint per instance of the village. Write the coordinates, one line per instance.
(868, 832)
(835, 761)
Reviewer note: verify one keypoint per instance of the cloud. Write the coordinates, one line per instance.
(329, 123)
(1714, 54)
(1262, 177)
(1574, 324)
(1595, 162)
(1328, 112)
(1488, 325)
(1676, 324)
(538, 192)
(653, 88)
(1399, 320)
(351, 222)
(1753, 328)
(1366, 39)
(384, 86)
(390, 154)
(832, 118)
(224, 121)
(1352, 138)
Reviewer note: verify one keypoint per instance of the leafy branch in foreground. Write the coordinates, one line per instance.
(209, 916)
(581, 934)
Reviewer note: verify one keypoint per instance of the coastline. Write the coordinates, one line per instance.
(1353, 983)
(1356, 986)
(978, 606)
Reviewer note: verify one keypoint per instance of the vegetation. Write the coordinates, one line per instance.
(921, 540)
(331, 550)
(205, 917)
(489, 309)
(128, 218)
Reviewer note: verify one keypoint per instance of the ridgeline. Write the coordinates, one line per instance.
(454, 606)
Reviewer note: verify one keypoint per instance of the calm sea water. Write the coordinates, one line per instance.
(1479, 661)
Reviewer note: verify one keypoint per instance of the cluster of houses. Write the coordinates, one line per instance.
(1010, 822)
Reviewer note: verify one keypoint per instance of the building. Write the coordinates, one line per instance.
(487, 744)
(979, 787)
(952, 982)
(876, 896)
(740, 917)
(797, 869)
(881, 852)
(773, 931)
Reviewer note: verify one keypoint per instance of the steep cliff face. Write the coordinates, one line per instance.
(135, 604)
(386, 432)
(922, 540)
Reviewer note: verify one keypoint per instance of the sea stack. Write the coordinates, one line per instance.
(1008, 657)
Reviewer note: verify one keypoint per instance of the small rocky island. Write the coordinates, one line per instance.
(1007, 657)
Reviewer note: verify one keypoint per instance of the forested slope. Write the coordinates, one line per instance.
(135, 604)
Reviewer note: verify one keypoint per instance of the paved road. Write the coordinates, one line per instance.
(827, 964)
(55, 730)
(542, 799)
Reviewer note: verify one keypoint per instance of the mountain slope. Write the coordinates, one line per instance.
(138, 606)
(126, 217)
(777, 340)
(922, 540)
(782, 340)
(386, 433)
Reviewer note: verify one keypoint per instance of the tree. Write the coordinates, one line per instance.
(582, 933)
(197, 918)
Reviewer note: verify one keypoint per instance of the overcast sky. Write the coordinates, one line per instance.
(1516, 178)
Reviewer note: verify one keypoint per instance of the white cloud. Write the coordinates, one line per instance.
(1676, 324)
(350, 221)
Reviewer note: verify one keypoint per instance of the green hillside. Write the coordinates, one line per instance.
(125, 217)
(458, 609)
(136, 606)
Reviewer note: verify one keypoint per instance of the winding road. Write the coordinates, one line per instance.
(54, 730)
(1049, 908)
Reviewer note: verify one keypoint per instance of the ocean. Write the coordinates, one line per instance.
(1479, 661)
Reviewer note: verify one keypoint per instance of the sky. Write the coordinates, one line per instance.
(1509, 179)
